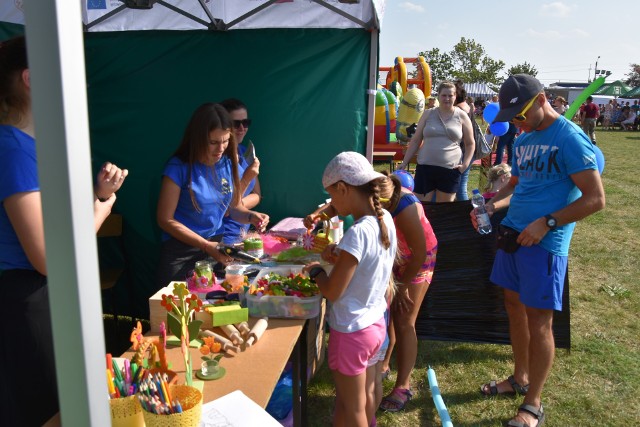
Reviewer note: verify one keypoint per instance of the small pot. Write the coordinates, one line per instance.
(209, 367)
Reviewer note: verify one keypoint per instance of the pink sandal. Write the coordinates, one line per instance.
(396, 401)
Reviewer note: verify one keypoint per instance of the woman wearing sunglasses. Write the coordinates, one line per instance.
(248, 169)
(199, 187)
(441, 161)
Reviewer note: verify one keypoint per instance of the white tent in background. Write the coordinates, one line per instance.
(479, 90)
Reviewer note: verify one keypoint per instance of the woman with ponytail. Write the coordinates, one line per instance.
(412, 272)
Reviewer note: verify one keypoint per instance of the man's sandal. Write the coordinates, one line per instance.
(396, 401)
(491, 388)
(538, 414)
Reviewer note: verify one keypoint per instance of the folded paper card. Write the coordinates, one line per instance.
(235, 409)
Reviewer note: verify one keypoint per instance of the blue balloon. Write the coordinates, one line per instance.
(499, 128)
(490, 112)
(599, 158)
(405, 179)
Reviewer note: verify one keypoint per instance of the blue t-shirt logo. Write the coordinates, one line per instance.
(226, 188)
(538, 161)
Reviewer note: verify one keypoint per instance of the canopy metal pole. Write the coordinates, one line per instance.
(59, 100)
(371, 92)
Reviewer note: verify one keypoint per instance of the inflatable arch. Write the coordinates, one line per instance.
(408, 103)
(423, 78)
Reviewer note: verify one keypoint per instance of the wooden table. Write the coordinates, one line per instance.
(256, 370)
(385, 156)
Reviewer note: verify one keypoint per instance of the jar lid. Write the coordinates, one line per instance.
(234, 269)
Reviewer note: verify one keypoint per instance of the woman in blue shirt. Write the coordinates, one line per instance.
(26, 335)
(198, 187)
(248, 169)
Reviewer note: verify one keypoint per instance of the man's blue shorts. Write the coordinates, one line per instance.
(534, 273)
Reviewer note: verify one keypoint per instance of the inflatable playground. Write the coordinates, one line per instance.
(400, 103)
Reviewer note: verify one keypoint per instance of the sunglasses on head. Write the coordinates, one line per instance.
(520, 117)
(244, 123)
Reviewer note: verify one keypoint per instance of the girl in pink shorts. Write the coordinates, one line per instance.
(357, 285)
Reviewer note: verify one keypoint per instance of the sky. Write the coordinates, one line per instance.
(561, 39)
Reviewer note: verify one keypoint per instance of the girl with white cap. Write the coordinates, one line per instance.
(357, 284)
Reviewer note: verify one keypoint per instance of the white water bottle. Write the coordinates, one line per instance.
(482, 216)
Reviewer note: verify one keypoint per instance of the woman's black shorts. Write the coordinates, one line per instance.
(429, 178)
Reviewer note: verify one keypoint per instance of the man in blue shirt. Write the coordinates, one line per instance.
(554, 183)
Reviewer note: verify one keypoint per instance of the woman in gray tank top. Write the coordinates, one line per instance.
(437, 142)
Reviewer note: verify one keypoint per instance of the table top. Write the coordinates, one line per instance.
(254, 371)
(384, 153)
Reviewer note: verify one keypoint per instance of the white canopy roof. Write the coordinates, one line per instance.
(479, 90)
(123, 15)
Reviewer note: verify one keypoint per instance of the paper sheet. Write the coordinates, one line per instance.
(235, 410)
(289, 228)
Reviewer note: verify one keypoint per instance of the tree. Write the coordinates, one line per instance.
(440, 65)
(633, 76)
(524, 68)
(471, 63)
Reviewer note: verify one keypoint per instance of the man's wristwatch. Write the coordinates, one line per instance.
(552, 223)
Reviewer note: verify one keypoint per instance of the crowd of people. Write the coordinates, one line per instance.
(623, 113)
(382, 267)
(530, 264)
(616, 113)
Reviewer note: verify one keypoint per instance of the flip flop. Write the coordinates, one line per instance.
(396, 401)
(538, 414)
(492, 386)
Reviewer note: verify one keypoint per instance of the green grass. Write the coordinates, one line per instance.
(597, 382)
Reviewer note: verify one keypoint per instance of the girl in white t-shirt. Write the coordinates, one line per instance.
(356, 287)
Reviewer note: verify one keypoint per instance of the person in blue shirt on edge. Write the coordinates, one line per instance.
(199, 185)
(29, 393)
(248, 169)
(554, 183)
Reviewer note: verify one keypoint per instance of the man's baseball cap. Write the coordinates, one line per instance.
(514, 94)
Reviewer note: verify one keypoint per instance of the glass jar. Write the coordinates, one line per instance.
(234, 276)
(204, 269)
(209, 367)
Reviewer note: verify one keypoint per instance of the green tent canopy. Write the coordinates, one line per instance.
(616, 88)
(304, 70)
(633, 93)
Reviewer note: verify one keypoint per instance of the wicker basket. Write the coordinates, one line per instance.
(126, 412)
(190, 399)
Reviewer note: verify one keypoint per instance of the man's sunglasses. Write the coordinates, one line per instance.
(244, 123)
(520, 117)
